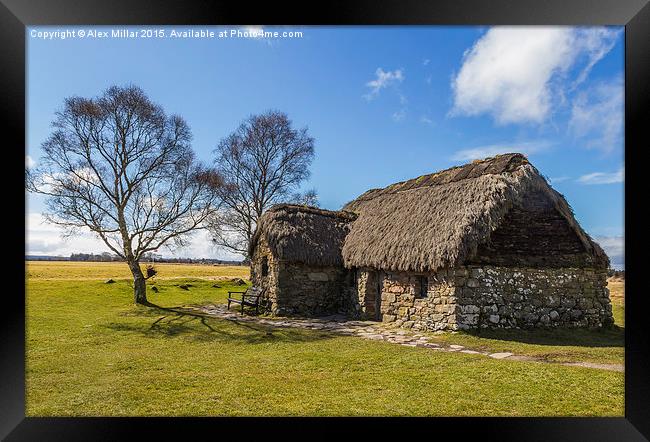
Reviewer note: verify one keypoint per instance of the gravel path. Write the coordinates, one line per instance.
(378, 331)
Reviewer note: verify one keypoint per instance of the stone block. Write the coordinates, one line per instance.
(468, 319)
(576, 314)
(568, 302)
(585, 303)
(448, 308)
(531, 318)
(318, 276)
(552, 301)
(469, 309)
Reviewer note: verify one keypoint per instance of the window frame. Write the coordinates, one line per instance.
(423, 292)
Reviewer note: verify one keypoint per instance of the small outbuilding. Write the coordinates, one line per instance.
(486, 244)
(296, 258)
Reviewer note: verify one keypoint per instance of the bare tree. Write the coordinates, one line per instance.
(119, 166)
(263, 162)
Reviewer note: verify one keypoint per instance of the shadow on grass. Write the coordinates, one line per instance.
(613, 337)
(179, 321)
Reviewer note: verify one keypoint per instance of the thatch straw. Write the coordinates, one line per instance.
(304, 234)
(438, 220)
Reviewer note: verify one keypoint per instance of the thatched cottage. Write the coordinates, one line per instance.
(487, 244)
(296, 257)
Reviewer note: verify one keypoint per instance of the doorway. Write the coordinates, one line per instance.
(379, 277)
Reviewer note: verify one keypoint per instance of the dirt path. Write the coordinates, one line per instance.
(380, 332)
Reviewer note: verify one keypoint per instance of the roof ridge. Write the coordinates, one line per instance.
(494, 165)
(311, 209)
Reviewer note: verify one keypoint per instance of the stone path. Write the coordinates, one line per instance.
(377, 331)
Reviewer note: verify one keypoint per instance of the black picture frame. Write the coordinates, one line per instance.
(15, 15)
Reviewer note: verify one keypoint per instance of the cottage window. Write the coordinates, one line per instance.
(424, 285)
(265, 266)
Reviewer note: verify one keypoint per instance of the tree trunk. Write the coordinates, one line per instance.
(139, 283)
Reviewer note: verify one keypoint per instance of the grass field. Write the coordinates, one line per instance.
(104, 270)
(91, 352)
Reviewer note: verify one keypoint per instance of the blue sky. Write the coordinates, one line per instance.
(384, 104)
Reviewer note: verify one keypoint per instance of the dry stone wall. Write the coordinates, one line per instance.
(366, 294)
(498, 297)
(400, 302)
(269, 282)
(310, 291)
(297, 289)
(533, 297)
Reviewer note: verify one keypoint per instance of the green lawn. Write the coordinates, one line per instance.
(91, 352)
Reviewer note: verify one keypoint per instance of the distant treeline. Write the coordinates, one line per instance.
(110, 257)
(101, 257)
(616, 273)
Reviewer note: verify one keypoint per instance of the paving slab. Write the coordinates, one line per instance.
(500, 355)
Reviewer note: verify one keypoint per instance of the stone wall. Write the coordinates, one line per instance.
(366, 293)
(532, 297)
(401, 301)
(298, 289)
(498, 297)
(311, 291)
(269, 282)
(534, 234)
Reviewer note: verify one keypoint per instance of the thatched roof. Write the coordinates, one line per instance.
(438, 220)
(304, 234)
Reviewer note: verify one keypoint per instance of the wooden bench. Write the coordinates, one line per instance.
(250, 297)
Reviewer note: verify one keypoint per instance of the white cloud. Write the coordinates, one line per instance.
(399, 115)
(614, 247)
(559, 179)
(425, 62)
(426, 120)
(43, 238)
(513, 73)
(29, 161)
(603, 177)
(477, 153)
(201, 246)
(595, 43)
(598, 115)
(383, 79)
(55, 179)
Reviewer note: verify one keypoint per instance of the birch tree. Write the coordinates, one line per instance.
(122, 168)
